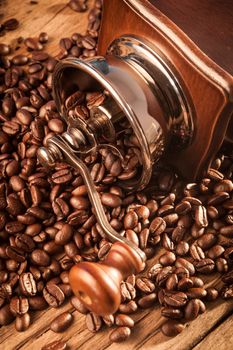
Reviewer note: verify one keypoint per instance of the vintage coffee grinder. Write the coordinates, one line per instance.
(175, 89)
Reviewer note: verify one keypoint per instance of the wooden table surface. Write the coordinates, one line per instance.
(210, 331)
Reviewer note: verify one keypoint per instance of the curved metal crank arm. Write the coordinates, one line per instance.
(61, 147)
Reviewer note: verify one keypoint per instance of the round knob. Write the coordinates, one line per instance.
(97, 285)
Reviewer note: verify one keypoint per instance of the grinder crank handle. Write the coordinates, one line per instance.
(97, 284)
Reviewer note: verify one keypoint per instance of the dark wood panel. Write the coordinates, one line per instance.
(209, 23)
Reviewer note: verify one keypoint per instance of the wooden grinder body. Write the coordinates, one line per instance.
(204, 74)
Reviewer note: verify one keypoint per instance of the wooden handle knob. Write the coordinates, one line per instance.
(97, 285)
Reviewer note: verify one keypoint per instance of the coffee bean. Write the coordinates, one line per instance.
(53, 295)
(171, 328)
(128, 291)
(78, 305)
(128, 308)
(182, 248)
(191, 310)
(27, 284)
(216, 251)
(228, 277)
(172, 313)
(196, 293)
(77, 5)
(11, 24)
(40, 257)
(201, 216)
(19, 305)
(55, 345)
(212, 294)
(93, 322)
(37, 303)
(145, 285)
(33, 44)
(196, 252)
(61, 322)
(22, 322)
(163, 275)
(205, 266)
(111, 200)
(223, 186)
(120, 334)
(226, 292)
(207, 241)
(167, 258)
(175, 299)
(124, 320)
(227, 231)
(185, 283)
(181, 262)
(130, 220)
(157, 226)
(15, 254)
(147, 300)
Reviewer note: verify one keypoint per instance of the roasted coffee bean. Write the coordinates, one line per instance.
(207, 241)
(201, 216)
(24, 242)
(227, 231)
(124, 320)
(222, 265)
(40, 257)
(55, 345)
(22, 322)
(27, 284)
(128, 291)
(93, 322)
(157, 226)
(192, 309)
(196, 252)
(11, 24)
(196, 293)
(215, 252)
(212, 294)
(61, 322)
(185, 283)
(181, 262)
(226, 292)
(53, 295)
(37, 303)
(78, 305)
(182, 248)
(111, 200)
(215, 174)
(15, 254)
(228, 277)
(167, 243)
(175, 299)
(120, 334)
(130, 220)
(19, 305)
(172, 327)
(172, 281)
(205, 266)
(223, 186)
(77, 5)
(128, 308)
(172, 313)
(167, 258)
(147, 300)
(178, 233)
(154, 271)
(33, 44)
(145, 285)
(163, 275)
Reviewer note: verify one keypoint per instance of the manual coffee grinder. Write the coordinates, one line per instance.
(175, 89)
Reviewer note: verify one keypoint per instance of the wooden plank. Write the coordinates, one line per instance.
(221, 337)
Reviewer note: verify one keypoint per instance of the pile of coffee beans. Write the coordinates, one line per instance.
(47, 222)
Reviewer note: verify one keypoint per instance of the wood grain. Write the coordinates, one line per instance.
(59, 20)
